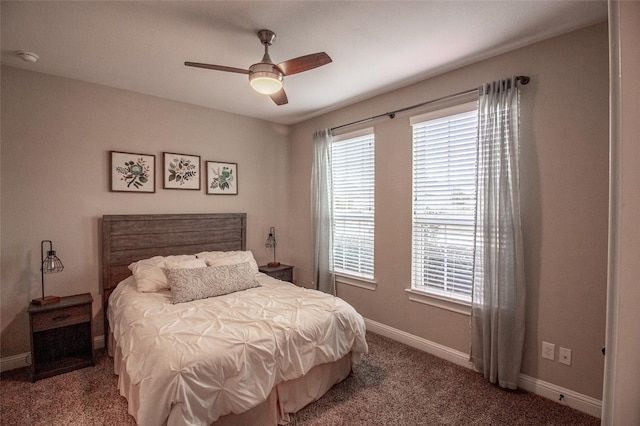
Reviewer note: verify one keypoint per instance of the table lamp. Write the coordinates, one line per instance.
(50, 265)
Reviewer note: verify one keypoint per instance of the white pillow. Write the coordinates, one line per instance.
(184, 264)
(150, 275)
(160, 260)
(201, 283)
(220, 258)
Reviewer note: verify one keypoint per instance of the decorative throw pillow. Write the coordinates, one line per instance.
(200, 283)
(219, 258)
(149, 273)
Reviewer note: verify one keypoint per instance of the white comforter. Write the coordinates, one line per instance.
(224, 354)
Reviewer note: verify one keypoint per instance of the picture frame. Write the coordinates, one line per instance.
(222, 178)
(132, 172)
(181, 171)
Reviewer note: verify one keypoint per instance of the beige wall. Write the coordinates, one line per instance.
(622, 387)
(56, 138)
(564, 130)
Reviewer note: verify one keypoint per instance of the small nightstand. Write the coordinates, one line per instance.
(282, 272)
(61, 336)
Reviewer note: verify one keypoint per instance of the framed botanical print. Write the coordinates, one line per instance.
(181, 171)
(132, 172)
(222, 178)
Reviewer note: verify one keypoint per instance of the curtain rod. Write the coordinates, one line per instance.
(523, 79)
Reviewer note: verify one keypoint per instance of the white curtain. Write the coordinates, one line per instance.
(321, 212)
(498, 307)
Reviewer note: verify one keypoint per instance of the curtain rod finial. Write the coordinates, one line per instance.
(524, 79)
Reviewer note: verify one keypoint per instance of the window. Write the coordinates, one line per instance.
(444, 202)
(352, 159)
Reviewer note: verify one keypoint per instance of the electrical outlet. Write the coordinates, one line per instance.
(564, 356)
(548, 351)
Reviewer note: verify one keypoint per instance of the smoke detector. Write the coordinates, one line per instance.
(28, 56)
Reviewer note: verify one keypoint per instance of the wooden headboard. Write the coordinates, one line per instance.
(129, 238)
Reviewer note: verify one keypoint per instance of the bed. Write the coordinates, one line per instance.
(250, 355)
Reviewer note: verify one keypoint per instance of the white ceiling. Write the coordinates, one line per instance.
(375, 46)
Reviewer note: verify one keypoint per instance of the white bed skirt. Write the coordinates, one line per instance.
(285, 398)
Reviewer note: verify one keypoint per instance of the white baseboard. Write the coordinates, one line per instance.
(24, 359)
(15, 361)
(576, 400)
(580, 402)
(444, 352)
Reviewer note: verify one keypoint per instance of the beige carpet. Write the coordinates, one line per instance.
(394, 385)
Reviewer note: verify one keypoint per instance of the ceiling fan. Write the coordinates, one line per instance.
(265, 76)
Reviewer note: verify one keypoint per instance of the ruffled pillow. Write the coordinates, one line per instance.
(150, 273)
(200, 283)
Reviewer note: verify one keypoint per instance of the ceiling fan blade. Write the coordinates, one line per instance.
(280, 97)
(216, 67)
(304, 63)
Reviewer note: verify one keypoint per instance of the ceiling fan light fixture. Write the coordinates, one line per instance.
(265, 79)
(265, 84)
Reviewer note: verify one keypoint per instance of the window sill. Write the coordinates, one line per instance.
(356, 282)
(439, 302)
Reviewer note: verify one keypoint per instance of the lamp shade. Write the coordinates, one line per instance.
(52, 264)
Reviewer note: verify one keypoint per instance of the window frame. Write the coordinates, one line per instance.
(422, 293)
(343, 275)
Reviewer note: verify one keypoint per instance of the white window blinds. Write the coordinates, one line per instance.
(352, 159)
(444, 198)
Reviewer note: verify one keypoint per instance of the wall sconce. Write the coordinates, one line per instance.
(271, 244)
(50, 265)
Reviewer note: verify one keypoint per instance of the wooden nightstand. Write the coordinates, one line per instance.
(61, 336)
(282, 272)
